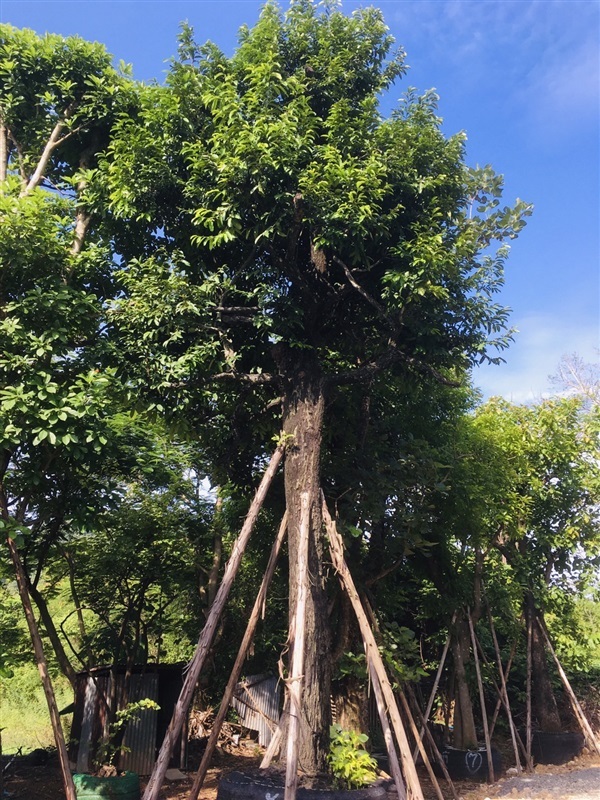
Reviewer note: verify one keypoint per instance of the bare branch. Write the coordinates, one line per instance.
(244, 377)
(51, 145)
(249, 378)
(55, 140)
(242, 310)
(371, 300)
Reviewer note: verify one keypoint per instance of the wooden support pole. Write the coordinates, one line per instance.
(275, 742)
(422, 751)
(528, 683)
(433, 745)
(388, 738)
(513, 650)
(239, 662)
(504, 690)
(42, 666)
(436, 683)
(503, 701)
(486, 731)
(206, 637)
(336, 545)
(581, 718)
(294, 683)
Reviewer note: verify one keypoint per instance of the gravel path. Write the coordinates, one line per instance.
(581, 784)
(577, 780)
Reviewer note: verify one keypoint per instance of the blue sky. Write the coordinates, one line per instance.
(521, 77)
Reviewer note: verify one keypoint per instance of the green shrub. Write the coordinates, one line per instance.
(351, 765)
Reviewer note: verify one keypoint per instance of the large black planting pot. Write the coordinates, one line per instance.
(237, 786)
(471, 764)
(556, 748)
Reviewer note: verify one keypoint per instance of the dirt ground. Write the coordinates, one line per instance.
(578, 780)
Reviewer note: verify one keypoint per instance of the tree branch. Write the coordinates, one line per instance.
(3, 152)
(82, 224)
(385, 572)
(392, 355)
(244, 377)
(363, 292)
(20, 157)
(53, 142)
(51, 145)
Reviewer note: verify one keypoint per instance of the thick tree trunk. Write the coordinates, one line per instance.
(352, 704)
(465, 735)
(302, 424)
(544, 702)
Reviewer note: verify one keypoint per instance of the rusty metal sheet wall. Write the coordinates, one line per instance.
(141, 737)
(140, 734)
(257, 700)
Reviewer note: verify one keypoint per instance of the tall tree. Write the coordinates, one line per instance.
(56, 100)
(546, 525)
(293, 241)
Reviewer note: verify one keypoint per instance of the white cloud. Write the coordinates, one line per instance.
(540, 344)
(540, 59)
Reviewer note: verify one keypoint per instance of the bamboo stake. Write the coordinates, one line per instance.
(434, 747)
(336, 545)
(206, 637)
(513, 650)
(436, 683)
(583, 723)
(417, 737)
(387, 735)
(528, 684)
(294, 683)
(42, 666)
(517, 741)
(486, 731)
(504, 690)
(239, 662)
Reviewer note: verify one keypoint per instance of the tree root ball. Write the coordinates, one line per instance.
(237, 786)
(471, 764)
(556, 748)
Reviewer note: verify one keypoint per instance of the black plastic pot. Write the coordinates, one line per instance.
(556, 748)
(237, 786)
(471, 764)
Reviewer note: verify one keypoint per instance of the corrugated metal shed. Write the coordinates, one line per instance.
(257, 699)
(93, 694)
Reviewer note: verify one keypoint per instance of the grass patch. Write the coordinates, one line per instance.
(24, 716)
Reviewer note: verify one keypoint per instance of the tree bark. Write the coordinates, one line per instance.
(465, 735)
(303, 411)
(298, 640)
(59, 651)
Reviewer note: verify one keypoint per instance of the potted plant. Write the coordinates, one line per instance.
(107, 782)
